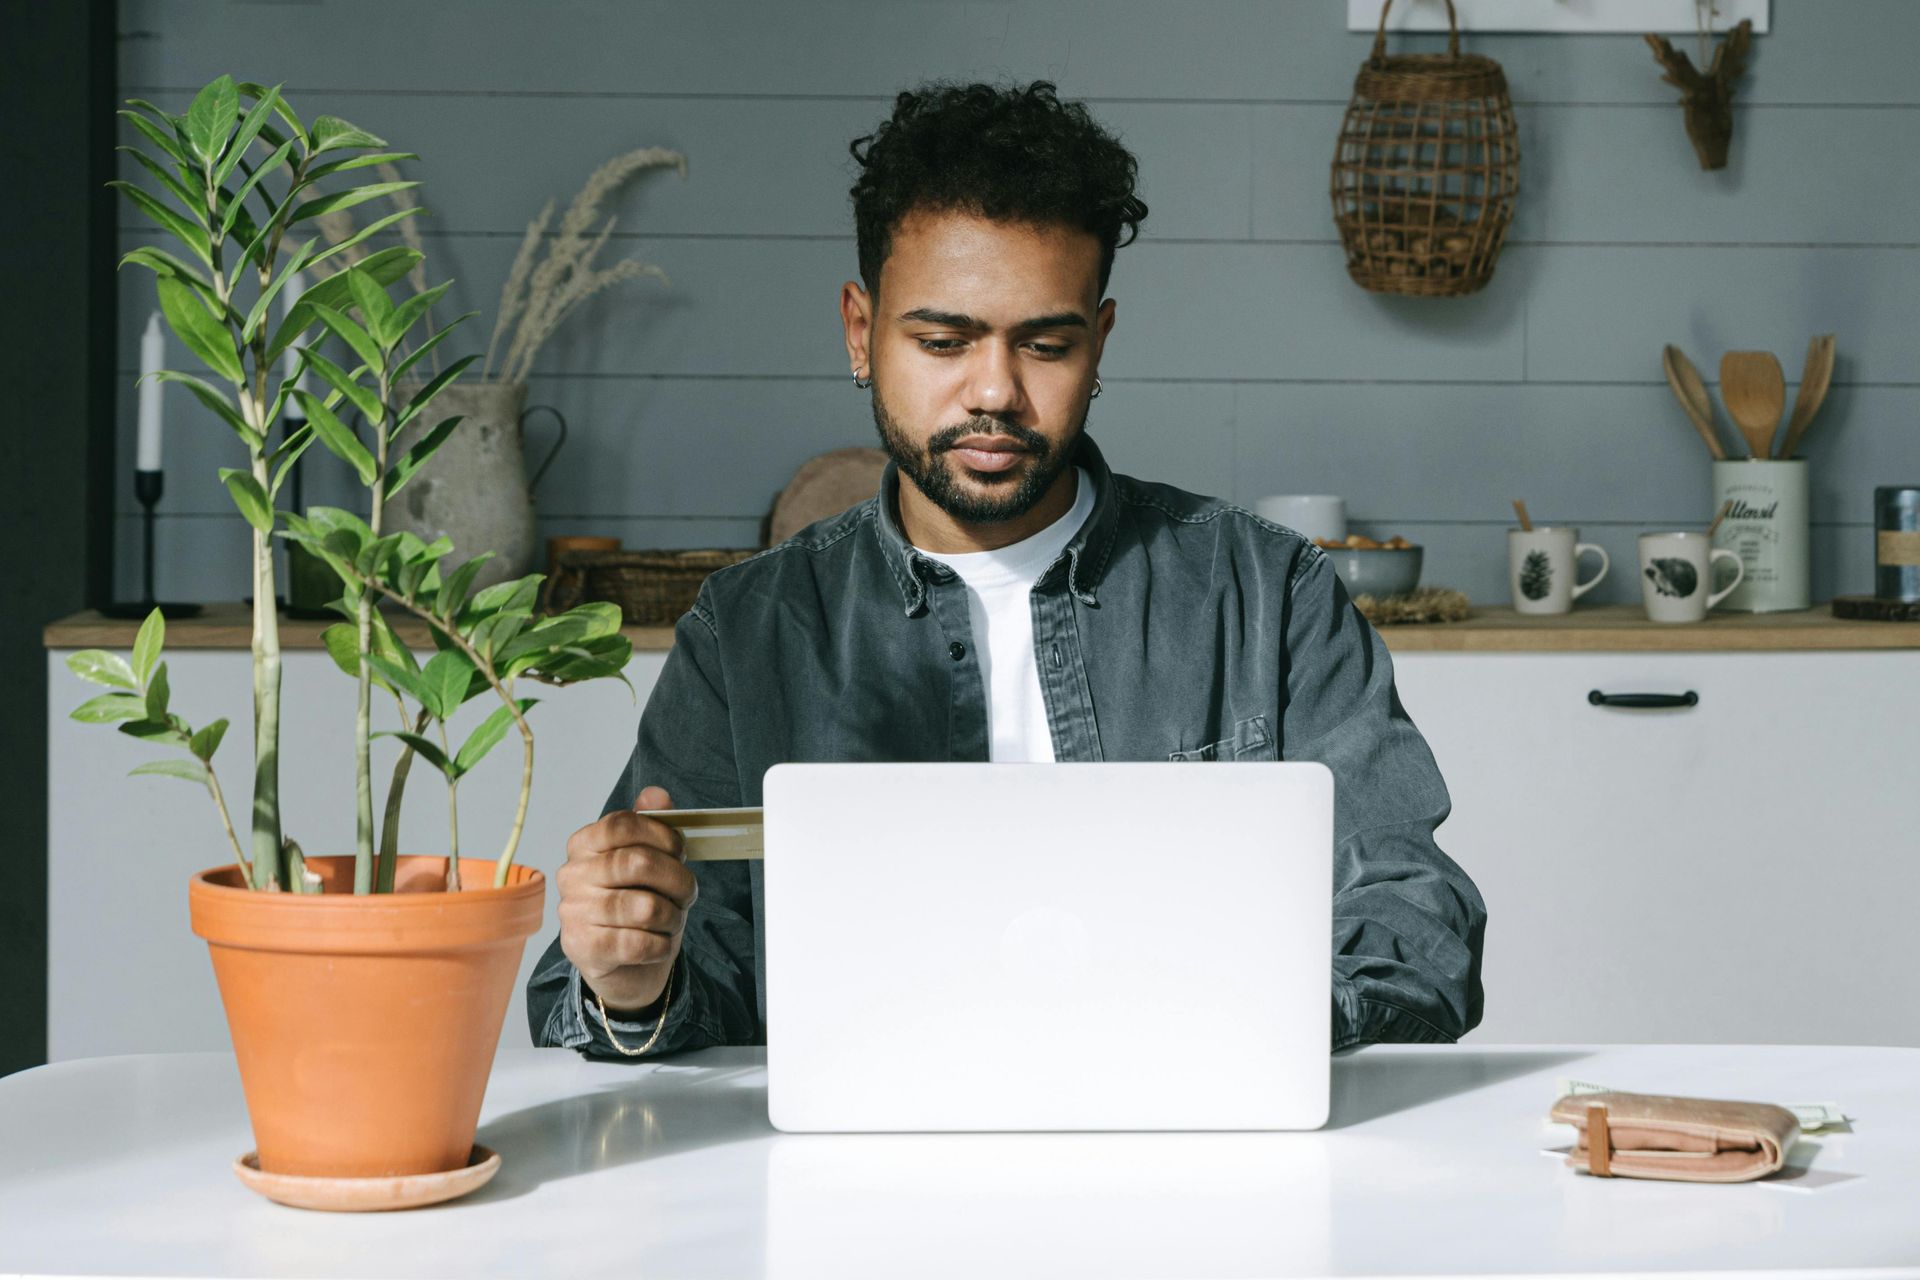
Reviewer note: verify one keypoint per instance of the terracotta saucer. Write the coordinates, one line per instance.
(368, 1195)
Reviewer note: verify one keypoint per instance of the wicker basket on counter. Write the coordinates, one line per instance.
(1426, 169)
(652, 588)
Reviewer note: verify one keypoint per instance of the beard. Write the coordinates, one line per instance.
(934, 470)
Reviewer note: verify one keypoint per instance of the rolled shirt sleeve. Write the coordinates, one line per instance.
(1408, 922)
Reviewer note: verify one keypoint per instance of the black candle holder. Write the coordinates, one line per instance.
(147, 488)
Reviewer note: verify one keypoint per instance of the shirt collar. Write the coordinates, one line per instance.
(1086, 554)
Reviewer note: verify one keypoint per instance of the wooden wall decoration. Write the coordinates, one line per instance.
(1707, 96)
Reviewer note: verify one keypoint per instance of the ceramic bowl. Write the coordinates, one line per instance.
(1377, 573)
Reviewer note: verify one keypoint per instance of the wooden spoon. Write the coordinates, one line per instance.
(1691, 392)
(1814, 380)
(1755, 391)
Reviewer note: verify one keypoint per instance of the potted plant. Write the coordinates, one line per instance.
(364, 992)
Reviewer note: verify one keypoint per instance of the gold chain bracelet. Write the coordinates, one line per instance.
(666, 1002)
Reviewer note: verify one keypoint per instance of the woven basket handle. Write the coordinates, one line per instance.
(1380, 37)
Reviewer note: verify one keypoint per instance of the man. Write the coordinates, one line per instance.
(1006, 597)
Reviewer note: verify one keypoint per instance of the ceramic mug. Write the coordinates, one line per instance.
(1676, 575)
(1311, 515)
(1541, 565)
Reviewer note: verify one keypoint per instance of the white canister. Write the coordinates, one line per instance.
(1311, 515)
(1767, 528)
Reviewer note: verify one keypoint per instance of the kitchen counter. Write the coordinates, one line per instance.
(1493, 628)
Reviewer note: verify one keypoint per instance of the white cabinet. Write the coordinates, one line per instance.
(1746, 869)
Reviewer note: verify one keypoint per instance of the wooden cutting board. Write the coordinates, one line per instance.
(824, 486)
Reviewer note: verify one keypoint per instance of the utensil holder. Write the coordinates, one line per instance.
(1767, 527)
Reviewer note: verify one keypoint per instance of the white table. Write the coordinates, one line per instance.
(1430, 1165)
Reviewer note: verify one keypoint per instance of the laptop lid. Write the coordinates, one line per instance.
(970, 946)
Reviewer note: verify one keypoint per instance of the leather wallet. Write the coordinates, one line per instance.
(1645, 1135)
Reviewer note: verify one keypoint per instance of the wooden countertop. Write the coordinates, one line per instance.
(1494, 628)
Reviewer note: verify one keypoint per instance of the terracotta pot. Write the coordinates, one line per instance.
(365, 1025)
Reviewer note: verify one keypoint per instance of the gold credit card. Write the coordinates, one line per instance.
(715, 835)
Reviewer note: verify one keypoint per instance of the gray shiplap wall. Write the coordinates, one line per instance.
(1244, 361)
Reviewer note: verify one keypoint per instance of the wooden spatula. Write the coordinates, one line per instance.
(1814, 380)
(1755, 391)
(1691, 392)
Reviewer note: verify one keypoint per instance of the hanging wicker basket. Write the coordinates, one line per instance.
(1426, 169)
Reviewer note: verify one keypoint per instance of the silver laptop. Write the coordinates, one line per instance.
(1048, 946)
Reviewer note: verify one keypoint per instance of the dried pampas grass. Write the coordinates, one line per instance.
(539, 295)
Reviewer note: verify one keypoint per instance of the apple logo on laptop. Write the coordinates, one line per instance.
(1047, 952)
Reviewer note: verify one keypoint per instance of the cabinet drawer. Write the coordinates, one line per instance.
(1738, 870)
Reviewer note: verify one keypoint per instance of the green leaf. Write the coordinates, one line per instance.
(376, 307)
(190, 770)
(424, 397)
(250, 127)
(329, 132)
(347, 199)
(258, 311)
(204, 333)
(371, 229)
(515, 596)
(157, 694)
(248, 89)
(343, 646)
(286, 455)
(423, 449)
(194, 237)
(160, 138)
(147, 644)
(169, 731)
(549, 635)
(386, 266)
(207, 741)
(488, 735)
(174, 186)
(108, 707)
(408, 313)
(446, 678)
(357, 338)
(162, 263)
(209, 119)
(419, 352)
(358, 162)
(274, 161)
(453, 594)
(412, 683)
(97, 666)
(249, 497)
(333, 433)
(364, 398)
(215, 399)
(426, 747)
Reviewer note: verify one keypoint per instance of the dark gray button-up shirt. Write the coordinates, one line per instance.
(1173, 627)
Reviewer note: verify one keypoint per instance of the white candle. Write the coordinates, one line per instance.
(289, 294)
(153, 356)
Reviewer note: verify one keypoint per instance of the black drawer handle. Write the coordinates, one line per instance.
(1687, 699)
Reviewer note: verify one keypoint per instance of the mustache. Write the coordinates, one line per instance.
(1027, 438)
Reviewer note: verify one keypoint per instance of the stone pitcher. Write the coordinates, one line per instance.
(474, 489)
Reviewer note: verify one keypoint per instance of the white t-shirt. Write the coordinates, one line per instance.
(999, 584)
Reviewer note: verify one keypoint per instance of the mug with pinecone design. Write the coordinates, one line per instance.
(1541, 567)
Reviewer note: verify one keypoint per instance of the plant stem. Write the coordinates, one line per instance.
(396, 789)
(485, 668)
(363, 713)
(453, 818)
(226, 821)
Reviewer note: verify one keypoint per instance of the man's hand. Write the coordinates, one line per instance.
(624, 894)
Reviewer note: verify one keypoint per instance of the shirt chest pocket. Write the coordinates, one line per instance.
(1250, 740)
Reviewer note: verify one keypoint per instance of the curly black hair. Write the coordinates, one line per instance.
(1008, 154)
